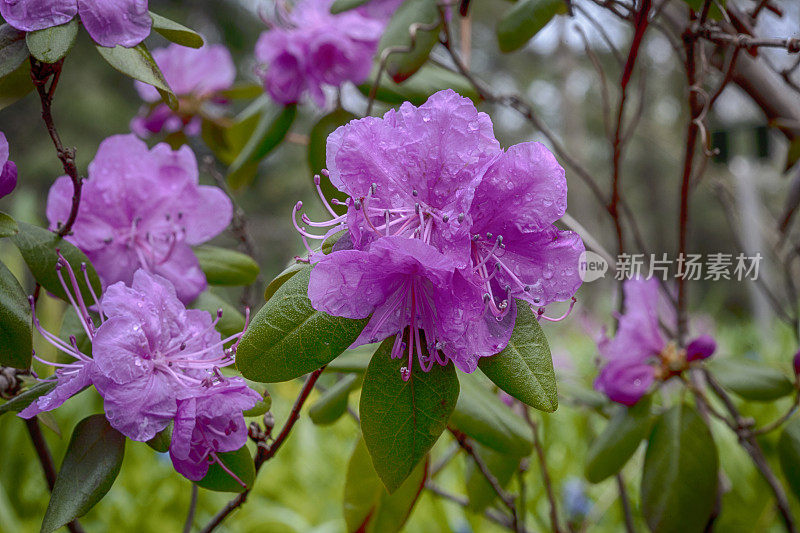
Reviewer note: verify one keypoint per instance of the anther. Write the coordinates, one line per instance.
(374, 187)
(317, 179)
(488, 235)
(414, 193)
(219, 313)
(445, 219)
(183, 346)
(526, 288)
(460, 218)
(416, 208)
(357, 204)
(298, 206)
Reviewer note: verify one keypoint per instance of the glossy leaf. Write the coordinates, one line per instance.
(262, 406)
(340, 6)
(16, 339)
(13, 49)
(401, 420)
(38, 247)
(176, 33)
(138, 64)
(271, 129)
(288, 338)
(751, 380)
(15, 85)
(282, 278)
(333, 403)
(403, 64)
(524, 369)
(90, 466)
(428, 80)
(226, 267)
(162, 440)
(240, 463)
(479, 492)
(619, 441)
(524, 20)
(789, 454)
(368, 506)
(23, 400)
(679, 478)
(481, 415)
(232, 321)
(8, 226)
(50, 45)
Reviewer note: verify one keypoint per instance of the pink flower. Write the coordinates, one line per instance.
(8, 170)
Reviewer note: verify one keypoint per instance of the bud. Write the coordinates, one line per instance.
(700, 348)
(796, 363)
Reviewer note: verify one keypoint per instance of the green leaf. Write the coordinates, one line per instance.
(714, 13)
(243, 91)
(71, 326)
(176, 33)
(162, 440)
(138, 64)
(317, 146)
(282, 278)
(483, 416)
(417, 89)
(524, 20)
(401, 420)
(232, 321)
(619, 440)
(240, 463)
(227, 142)
(8, 226)
(16, 340)
(333, 403)
(403, 64)
(38, 247)
(368, 507)
(50, 45)
(260, 408)
(479, 492)
(15, 85)
(354, 361)
(789, 454)
(90, 466)
(272, 127)
(13, 49)
(340, 6)
(751, 380)
(289, 338)
(792, 154)
(23, 400)
(679, 479)
(226, 267)
(524, 369)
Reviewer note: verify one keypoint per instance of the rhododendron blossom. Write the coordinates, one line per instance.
(8, 169)
(196, 76)
(143, 208)
(639, 354)
(153, 361)
(110, 23)
(445, 230)
(310, 47)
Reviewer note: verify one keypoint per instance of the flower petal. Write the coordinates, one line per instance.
(116, 22)
(32, 15)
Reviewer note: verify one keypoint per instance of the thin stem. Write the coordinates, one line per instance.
(187, 526)
(265, 453)
(548, 484)
(780, 421)
(490, 514)
(46, 460)
(41, 73)
(625, 503)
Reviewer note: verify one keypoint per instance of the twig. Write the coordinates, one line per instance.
(46, 460)
(41, 73)
(491, 514)
(265, 452)
(187, 526)
(626, 504)
(548, 484)
(505, 497)
(780, 421)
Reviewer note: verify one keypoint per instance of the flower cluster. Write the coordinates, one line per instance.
(143, 208)
(197, 76)
(638, 355)
(8, 170)
(444, 231)
(309, 48)
(154, 362)
(121, 22)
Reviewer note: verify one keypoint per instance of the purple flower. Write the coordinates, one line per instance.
(796, 363)
(309, 48)
(421, 181)
(197, 76)
(209, 423)
(109, 22)
(143, 209)
(8, 170)
(639, 353)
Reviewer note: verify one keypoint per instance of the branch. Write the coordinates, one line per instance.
(41, 73)
(266, 453)
(548, 484)
(490, 514)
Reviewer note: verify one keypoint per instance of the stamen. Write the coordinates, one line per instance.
(540, 312)
(317, 181)
(226, 469)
